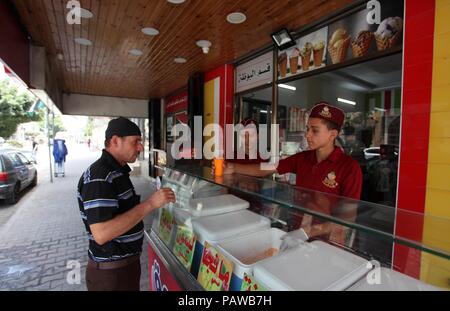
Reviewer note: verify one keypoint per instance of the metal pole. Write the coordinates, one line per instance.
(48, 140)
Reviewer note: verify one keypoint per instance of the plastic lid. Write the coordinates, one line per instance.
(312, 266)
(221, 227)
(390, 280)
(217, 205)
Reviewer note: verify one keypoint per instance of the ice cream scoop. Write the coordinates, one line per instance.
(319, 45)
(306, 49)
(390, 26)
(339, 34)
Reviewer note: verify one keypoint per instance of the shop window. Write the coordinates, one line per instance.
(370, 95)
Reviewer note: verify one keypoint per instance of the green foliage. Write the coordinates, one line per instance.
(89, 127)
(13, 109)
(15, 144)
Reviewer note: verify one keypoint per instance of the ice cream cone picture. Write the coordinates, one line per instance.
(318, 53)
(293, 61)
(388, 33)
(361, 45)
(305, 54)
(282, 64)
(338, 45)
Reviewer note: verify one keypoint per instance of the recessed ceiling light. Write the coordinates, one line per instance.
(136, 52)
(180, 60)
(83, 41)
(60, 56)
(176, 1)
(236, 18)
(84, 13)
(150, 31)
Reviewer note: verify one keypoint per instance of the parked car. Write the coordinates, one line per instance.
(374, 152)
(16, 174)
(29, 155)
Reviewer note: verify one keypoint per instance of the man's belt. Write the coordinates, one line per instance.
(113, 264)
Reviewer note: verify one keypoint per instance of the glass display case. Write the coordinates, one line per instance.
(237, 232)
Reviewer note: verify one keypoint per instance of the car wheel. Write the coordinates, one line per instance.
(14, 198)
(34, 181)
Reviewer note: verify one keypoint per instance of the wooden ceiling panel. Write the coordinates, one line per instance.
(106, 68)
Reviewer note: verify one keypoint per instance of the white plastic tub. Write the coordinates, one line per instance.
(312, 266)
(249, 249)
(202, 207)
(390, 280)
(218, 228)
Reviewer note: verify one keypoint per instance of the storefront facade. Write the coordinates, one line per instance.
(389, 109)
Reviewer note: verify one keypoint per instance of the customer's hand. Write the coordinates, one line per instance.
(293, 239)
(161, 198)
(228, 168)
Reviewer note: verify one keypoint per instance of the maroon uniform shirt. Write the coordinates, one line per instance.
(339, 174)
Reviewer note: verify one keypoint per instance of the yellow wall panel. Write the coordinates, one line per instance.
(441, 45)
(441, 70)
(440, 98)
(438, 203)
(439, 176)
(442, 16)
(439, 151)
(435, 270)
(436, 232)
(440, 124)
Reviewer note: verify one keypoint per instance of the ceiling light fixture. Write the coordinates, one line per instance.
(83, 41)
(236, 18)
(136, 52)
(180, 60)
(287, 87)
(346, 101)
(176, 1)
(283, 39)
(59, 56)
(150, 31)
(205, 45)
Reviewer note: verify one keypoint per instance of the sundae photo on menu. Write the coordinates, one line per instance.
(282, 64)
(318, 52)
(388, 33)
(307, 54)
(293, 61)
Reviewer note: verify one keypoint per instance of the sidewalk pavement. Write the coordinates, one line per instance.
(46, 232)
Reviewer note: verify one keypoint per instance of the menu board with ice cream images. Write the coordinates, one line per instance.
(184, 246)
(359, 35)
(309, 53)
(215, 270)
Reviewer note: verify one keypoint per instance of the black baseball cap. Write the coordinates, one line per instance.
(122, 127)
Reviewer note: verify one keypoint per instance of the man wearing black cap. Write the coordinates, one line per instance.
(112, 213)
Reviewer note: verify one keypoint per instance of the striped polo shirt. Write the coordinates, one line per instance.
(104, 192)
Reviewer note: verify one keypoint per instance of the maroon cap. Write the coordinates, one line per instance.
(325, 111)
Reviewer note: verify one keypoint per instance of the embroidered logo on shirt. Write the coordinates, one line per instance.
(325, 112)
(330, 180)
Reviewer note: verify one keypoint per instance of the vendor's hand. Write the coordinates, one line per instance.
(228, 168)
(293, 239)
(161, 198)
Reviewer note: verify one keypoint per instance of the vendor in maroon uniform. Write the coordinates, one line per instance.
(324, 168)
(248, 143)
